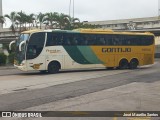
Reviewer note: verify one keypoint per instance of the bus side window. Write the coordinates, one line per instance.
(75, 40)
(136, 40)
(59, 39)
(101, 41)
(115, 41)
(66, 39)
(83, 40)
(120, 39)
(146, 40)
(92, 40)
(52, 39)
(49, 39)
(86, 39)
(150, 40)
(130, 40)
(108, 39)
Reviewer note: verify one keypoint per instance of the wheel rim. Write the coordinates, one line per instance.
(53, 68)
(133, 64)
(123, 64)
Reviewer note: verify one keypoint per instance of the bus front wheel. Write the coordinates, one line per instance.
(53, 67)
(133, 64)
(123, 64)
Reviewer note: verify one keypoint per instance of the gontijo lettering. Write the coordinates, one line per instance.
(109, 50)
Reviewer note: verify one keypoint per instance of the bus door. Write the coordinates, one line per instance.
(35, 56)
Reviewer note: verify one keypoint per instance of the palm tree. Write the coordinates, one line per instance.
(51, 18)
(22, 19)
(2, 20)
(63, 21)
(31, 19)
(73, 23)
(12, 18)
(41, 19)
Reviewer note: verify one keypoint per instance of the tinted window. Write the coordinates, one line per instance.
(35, 45)
(69, 39)
(54, 39)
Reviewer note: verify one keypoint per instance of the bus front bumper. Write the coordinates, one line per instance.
(21, 67)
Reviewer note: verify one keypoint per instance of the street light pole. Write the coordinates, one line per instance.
(70, 1)
(158, 8)
(73, 9)
(1, 12)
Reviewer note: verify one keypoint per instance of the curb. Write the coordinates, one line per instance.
(6, 67)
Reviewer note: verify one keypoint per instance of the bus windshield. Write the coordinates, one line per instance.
(20, 55)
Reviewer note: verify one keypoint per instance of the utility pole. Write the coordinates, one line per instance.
(70, 2)
(158, 8)
(1, 13)
(73, 9)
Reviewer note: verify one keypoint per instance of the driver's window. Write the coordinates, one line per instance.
(35, 45)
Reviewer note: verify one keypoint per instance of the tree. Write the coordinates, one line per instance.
(12, 18)
(2, 20)
(63, 21)
(51, 18)
(30, 19)
(22, 19)
(41, 19)
(90, 26)
(73, 23)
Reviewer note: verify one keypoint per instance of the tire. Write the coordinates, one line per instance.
(110, 68)
(53, 67)
(133, 64)
(42, 71)
(123, 64)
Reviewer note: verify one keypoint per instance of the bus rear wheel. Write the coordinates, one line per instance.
(110, 68)
(133, 64)
(53, 67)
(123, 64)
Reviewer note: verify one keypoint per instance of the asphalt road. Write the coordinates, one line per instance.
(23, 98)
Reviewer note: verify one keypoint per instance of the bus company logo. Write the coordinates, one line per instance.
(111, 50)
(6, 114)
(53, 51)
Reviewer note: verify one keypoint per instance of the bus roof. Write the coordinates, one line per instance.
(32, 31)
(107, 31)
(91, 31)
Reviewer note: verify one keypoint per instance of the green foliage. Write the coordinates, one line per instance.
(52, 20)
(89, 26)
(11, 58)
(6, 46)
(3, 59)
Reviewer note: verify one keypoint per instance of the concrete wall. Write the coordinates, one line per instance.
(125, 24)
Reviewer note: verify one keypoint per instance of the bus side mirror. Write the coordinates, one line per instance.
(20, 45)
(10, 44)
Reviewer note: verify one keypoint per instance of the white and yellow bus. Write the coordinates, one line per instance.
(52, 50)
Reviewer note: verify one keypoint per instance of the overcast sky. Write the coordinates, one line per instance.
(87, 10)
